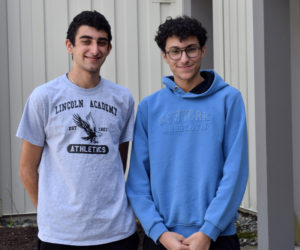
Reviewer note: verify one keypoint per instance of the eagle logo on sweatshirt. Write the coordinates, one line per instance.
(88, 126)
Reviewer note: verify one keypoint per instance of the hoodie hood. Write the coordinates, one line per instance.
(218, 84)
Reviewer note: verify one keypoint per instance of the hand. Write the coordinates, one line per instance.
(198, 241)
(173, 241)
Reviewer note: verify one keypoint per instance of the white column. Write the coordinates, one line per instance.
(273, 124)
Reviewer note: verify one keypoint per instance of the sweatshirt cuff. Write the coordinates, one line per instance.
(156, 231)
(210, 230)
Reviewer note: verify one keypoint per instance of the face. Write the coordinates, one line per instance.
(185, 69)
(90, 50)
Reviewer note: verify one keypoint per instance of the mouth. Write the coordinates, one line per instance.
(93, 58)
(185, 66)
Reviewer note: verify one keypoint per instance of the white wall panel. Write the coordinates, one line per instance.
(38, 43)
(226, 45)
(130, 46)
(26, 47)
(16, 98)
(233, 59)
(241, 48)
(218, 34)
(127, 44)
(76, 6)
(5, 149)
(144, 24)
(233, 43)
(149, 56)
(26, 66)
(56, 24)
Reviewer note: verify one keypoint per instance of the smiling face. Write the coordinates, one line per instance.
(186, 70)
(90, 49)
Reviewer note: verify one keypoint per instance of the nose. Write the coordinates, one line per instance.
(94, 48)
(184, 57)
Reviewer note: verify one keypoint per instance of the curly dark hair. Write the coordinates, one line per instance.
(182, 27)
(90, 18)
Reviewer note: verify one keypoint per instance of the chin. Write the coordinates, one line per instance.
(185, 77)
(93, 69)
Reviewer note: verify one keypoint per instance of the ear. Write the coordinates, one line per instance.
(109, 48)
(164, 55)
(69, 46)
(203, 51)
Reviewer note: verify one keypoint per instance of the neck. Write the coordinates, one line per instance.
(84, 80)
(188, 84)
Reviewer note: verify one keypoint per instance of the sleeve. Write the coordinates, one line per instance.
(138, 185)
(127, 131)
(32, 124)
(223, 208)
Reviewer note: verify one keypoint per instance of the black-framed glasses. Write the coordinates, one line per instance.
(191, 52)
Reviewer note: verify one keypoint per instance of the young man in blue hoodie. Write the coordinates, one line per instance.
(189, 162)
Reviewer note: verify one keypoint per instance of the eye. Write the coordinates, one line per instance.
(102, 43)
(174, 51)
(87, 41)
(191, 49)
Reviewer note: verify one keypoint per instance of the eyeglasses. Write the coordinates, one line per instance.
(176, 53)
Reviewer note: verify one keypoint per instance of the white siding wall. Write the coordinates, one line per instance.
(34, 52)
(233, 59)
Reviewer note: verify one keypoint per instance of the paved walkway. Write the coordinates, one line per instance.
(255, 248)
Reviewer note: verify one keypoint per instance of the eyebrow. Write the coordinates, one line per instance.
(89, 37)
(191, 45)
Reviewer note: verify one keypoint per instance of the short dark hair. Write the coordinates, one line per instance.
(182, 27)
(90, 18)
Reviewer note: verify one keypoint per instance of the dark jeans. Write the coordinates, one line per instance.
(130, 243)
(222, 243)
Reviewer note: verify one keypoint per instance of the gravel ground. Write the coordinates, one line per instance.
(247, 229)
(20, 232)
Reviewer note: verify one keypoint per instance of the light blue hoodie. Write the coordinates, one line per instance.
(189, 161)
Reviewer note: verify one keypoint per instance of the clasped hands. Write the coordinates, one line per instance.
(175, 241)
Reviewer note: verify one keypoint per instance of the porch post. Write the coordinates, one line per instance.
(273, 124)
